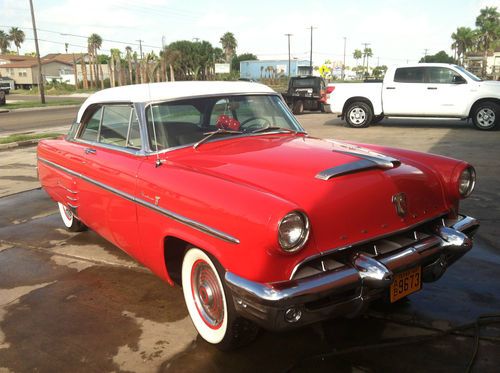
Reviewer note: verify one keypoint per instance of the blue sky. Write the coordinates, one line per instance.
(397, 30)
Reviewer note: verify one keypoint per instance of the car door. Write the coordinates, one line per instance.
(447, 92)
(405, 94)
(111, 140)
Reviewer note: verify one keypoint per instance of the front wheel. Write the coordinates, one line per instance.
(210, 304)
(359, 114)
(71, 223)
(486, 116)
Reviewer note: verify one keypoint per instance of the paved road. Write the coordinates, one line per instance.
(32, 120)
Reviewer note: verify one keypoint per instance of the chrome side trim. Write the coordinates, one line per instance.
(170, 214)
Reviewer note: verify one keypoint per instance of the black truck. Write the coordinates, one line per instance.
(306, 93)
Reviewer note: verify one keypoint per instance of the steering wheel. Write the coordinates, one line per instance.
(247, 125)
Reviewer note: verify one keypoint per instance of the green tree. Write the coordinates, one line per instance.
(440, 57)
(235, 63)
(229, 44)
(4, 42)
(16, 35)
(367, 52)
(357, 56)
(94, 44)
(488, 24)
(463, 41)
(379, 71)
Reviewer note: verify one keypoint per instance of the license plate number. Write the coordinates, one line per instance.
(405, 283)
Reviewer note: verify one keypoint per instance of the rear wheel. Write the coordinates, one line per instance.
(298, 107)
(486, 116)
(359, 114)
(210, 304)
(71, 223)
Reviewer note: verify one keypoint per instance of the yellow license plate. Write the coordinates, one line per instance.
(405, 283)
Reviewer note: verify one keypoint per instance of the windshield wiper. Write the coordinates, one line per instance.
(209, 135)
(274, 128)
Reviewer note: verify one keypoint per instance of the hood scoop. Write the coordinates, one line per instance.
(369, 159)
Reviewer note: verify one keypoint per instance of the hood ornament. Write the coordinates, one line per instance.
(400, 203)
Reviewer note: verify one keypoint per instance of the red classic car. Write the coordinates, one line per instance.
(215, 186)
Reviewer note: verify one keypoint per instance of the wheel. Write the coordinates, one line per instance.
(486, 115)
(71, 223)
(210, 304)
(298, 107)
(359, 114)
(377, 119)
(325, 108)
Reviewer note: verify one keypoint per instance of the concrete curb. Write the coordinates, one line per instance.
(39, 108)
(22, 144)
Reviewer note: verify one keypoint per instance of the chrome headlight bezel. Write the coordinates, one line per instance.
(302, 222)
(466, 182)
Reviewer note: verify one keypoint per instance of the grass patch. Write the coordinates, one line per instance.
(33, 104)
(27, 136)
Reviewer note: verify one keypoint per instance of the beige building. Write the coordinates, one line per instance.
(474, 63)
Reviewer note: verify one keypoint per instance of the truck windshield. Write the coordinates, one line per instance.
(469, 74)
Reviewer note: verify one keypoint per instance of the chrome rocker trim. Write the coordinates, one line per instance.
(348, 290)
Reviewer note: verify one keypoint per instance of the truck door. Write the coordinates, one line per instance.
(405, 93)
(447, 92)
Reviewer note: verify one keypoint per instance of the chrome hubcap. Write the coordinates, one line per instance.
(357, 115)
(486, 117)
(207, 294)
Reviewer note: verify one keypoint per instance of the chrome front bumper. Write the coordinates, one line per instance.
(348, 290)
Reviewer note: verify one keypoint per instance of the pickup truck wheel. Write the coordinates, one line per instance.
(359, 115)
(71, 223)
(325, 108)
(210, 303)
(377, 119)
(298, 107)
(486, 115)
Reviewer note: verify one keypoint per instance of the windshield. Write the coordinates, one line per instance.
(469, 74)
(185, 122)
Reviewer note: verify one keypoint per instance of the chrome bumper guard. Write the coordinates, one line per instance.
(348, 290)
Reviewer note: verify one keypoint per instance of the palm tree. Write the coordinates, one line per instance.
(367, 53)
(4, 42)
(229, 45)
(463, 40)
(17, 37)
(357, 56)
(129, 61)
(94, 44)
(488, 24)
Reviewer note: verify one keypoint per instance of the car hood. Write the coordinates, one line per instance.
(349, 207)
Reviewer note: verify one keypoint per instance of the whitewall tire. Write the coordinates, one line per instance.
(71, 223)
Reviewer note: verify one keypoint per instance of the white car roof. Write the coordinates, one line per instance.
(155, 92)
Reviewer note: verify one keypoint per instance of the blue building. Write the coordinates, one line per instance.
(262, 69)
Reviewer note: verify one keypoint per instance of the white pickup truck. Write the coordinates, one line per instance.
(425, 90)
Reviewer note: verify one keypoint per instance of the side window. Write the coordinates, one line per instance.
(115, 125)
(409, 75)
(440, 75)
(91, 129)
(134, 135)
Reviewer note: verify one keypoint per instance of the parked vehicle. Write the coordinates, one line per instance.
(425, 90)
(215, 186)
(306, 93)
(5, 87)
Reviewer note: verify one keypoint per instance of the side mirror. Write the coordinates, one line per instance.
(457, 79)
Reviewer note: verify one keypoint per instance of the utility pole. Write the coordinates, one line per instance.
(40, 76)
(140, 47)
(343, 63)
(425, 54)
(311, 53)
(289, 63)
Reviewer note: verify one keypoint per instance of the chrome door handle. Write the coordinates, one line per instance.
(390, 87)
(431, 87)
(90, 151)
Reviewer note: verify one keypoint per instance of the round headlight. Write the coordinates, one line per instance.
(467, 181)
(293, 231)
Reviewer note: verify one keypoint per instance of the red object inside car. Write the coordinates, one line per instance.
(227, 123)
